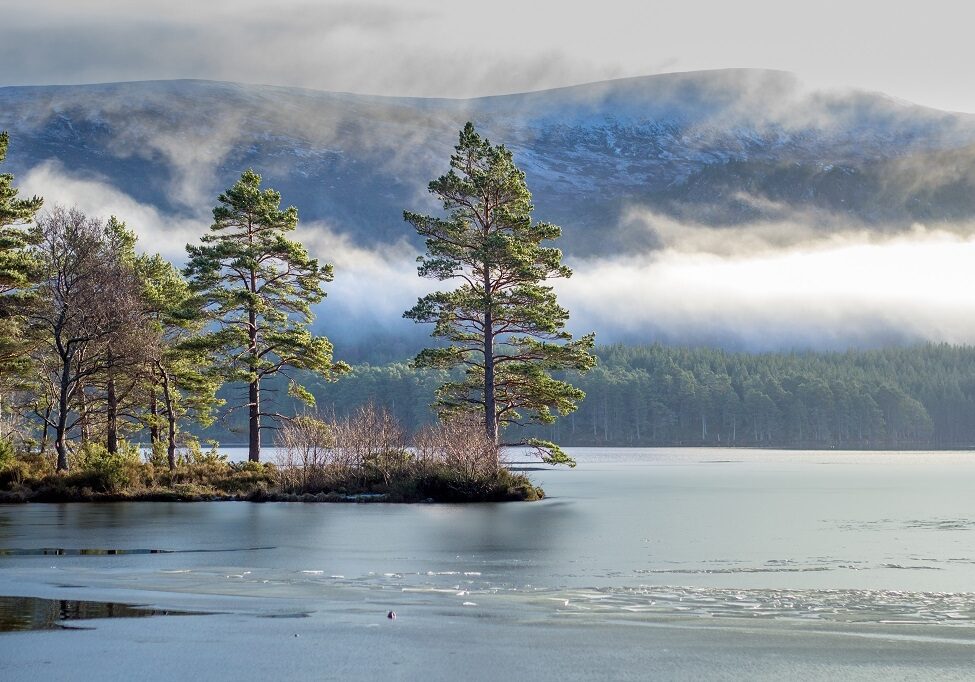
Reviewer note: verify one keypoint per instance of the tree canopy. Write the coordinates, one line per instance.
(502, 323)
(16, 268)
(257, 287)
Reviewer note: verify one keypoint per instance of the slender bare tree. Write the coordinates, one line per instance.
(88, 297)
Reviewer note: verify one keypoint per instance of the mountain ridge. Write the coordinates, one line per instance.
(785, 75)
(715, 148)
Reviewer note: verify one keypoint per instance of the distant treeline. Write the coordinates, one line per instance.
(915, 397)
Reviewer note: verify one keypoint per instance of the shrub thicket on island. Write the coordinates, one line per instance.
(365, 457)
(368, 452)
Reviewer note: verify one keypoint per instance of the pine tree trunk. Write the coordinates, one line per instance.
(153, 418)
(254, 389)
(490, 407)
(171, 443)
(170, 420)
(112, 406)
(62, 450)
(254, 440)
(60, 432)
(47, 428)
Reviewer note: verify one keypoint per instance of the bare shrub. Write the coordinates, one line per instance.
(371, 442)
(368, 452)
(304, 450)
(460, 444)
(368, 446)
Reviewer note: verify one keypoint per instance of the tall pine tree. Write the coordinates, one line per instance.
(15, 236)
(17, 268)
(503, 323)
(257, 287)
(177, 374)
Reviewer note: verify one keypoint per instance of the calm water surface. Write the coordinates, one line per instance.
(632, 536)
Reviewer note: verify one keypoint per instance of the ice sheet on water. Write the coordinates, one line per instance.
(865, 606)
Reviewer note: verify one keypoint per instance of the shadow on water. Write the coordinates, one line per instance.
(85, 551)
(61, 551)
(34, 613)
(529, 466)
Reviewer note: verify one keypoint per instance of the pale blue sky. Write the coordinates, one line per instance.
(918, 51)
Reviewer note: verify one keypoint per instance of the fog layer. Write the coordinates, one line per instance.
(766, 286)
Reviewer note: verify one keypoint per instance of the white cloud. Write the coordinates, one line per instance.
(374, 285)
(158, 233)
(837, 293)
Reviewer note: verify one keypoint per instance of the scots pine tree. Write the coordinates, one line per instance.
(16, 269)
(502, 322)
(257, 288)
(177, 373)
(15, 236)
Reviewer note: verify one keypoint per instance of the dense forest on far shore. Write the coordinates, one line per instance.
(913, 397)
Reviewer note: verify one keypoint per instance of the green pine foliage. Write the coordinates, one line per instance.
(257, 287)
(15, 217)
(181, 381)
(502, 322)
(17, 269)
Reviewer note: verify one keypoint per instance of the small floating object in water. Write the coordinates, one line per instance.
(297, 635)
(391, 615)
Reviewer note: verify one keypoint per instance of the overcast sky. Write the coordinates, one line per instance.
(919, 51)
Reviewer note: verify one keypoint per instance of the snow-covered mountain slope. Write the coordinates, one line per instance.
(714, 148)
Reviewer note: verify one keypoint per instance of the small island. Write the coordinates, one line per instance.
(365, 458)
(103, 348)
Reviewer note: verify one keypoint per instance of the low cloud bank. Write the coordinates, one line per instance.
(770, 286)
(834, 292)
(158, 233)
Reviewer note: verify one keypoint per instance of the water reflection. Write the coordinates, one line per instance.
(88, 551)
(33, 613)
(62, 551)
